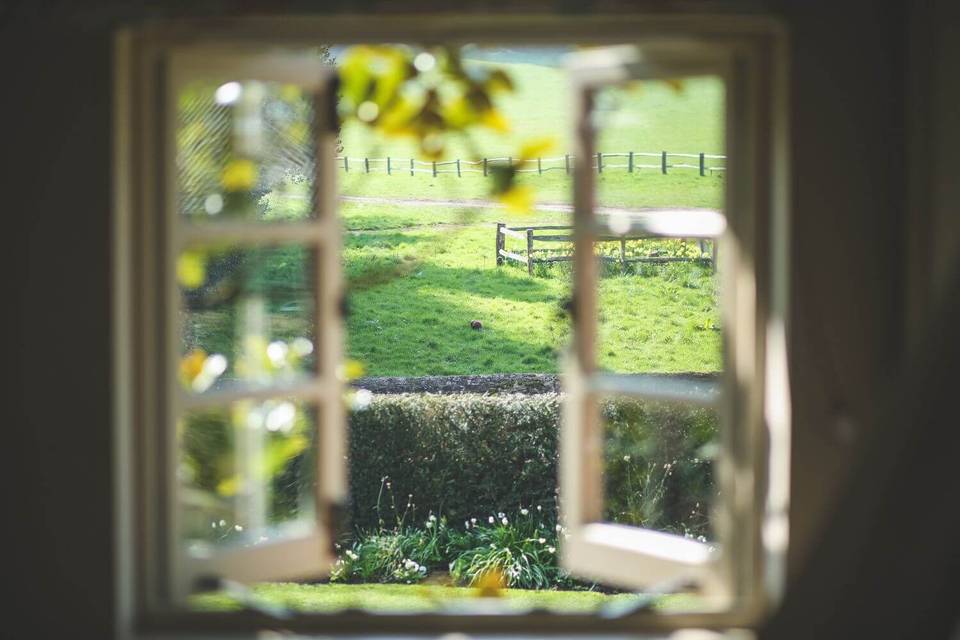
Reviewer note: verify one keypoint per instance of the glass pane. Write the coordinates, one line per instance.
(244, 150)
(247, 316)
(246, 473)
(658, 465)
(658, 297)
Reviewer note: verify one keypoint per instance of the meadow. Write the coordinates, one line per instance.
(418, 274)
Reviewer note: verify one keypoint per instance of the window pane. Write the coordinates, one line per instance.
(246, 473)
(658, 297)
(247, 316)
(244, 150)
(658, 465)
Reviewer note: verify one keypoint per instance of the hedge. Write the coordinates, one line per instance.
(472, 455)
(469, 455)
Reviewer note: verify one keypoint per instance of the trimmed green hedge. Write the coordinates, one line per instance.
(472, 455)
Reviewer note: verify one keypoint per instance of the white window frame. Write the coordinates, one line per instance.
(143, 600)
(306, 552)
(728, 575)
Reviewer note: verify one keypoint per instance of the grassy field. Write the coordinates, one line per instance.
(414, 291)
(395, 598)
(417, 275)
(651, 117)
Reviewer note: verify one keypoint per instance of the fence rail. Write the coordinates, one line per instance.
(529, 234)
(632, 161)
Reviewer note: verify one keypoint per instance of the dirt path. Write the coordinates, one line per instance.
(490, 204)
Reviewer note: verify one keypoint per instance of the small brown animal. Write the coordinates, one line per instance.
(476, 324)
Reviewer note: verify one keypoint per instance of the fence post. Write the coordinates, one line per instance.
(484, 167)
(529, 252)
(411, 166)
(366, 165)
(630, 162)
(500, 243)
(346, 164)
(623, 253)
(540, 166)
(566, 163)
(599, 162)
(434, 168)
(388, 165)
(458, 167)
(703, 165)
(663, 162)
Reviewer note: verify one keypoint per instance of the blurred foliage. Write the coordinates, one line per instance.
(429, 95)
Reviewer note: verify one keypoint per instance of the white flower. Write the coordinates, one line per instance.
(552, 549)
(432, 517)
(490, 519)
(542, 540)
(473, 521)
(504, 521)
(559, 527)
(500, 514)
(626, 458)
(429, 524)
(539, 508)
(524, 512)
(466, 524)
(237, 527)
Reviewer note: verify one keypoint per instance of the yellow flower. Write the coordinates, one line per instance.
(490, 584)
(191, 365)
(239, 175)
(518, 198)
(351, 370)
(191, 269)
(536, 147)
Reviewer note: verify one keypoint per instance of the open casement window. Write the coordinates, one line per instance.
(251, 319)
(726, 567)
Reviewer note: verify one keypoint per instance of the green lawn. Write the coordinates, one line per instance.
(418, 275)
(650, 118)
(414, 291)
(395, 598)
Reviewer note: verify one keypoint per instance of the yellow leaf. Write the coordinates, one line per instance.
(191, 365)
(290, 93)
(674, 83)
(191, 269)
(496, 121)
(351, 370)
(518, 198)
(536, 147)
(298, 132)
(229, 486)
(239, 175)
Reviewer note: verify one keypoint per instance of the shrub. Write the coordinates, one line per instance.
(466, 455)
(459, 455)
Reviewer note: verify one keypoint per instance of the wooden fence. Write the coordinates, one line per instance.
(632, 161)
(555, 234)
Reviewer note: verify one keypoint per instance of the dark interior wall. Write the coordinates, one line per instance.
(848, 143)
(56, 94)
(848, 103)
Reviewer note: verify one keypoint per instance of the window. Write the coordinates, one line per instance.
(200, 259)
(632, 556)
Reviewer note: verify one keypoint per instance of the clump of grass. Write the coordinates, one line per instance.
(519, 547)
